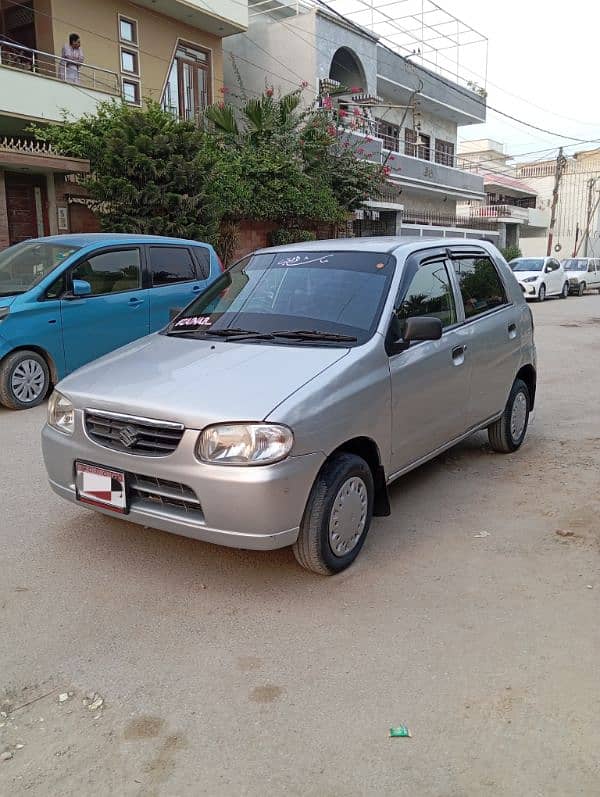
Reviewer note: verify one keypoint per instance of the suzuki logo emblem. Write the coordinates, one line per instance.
(128, 436)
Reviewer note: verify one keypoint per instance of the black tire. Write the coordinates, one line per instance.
(542, 293)
(581, 290)
(9, 365)
(500, 433)
(565, 291)
(313, 548)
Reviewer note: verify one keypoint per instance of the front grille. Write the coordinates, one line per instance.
(159, 494)
(133, 435)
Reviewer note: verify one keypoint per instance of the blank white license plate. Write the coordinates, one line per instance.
(100, 486)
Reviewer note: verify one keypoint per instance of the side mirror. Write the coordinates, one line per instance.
(548, 269)
(401, 335)
(80, 288)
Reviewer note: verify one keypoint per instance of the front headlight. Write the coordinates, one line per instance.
(530, 279)
(244, 444)
(61, 414)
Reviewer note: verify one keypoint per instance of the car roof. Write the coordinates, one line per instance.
(107, 238)
(380, 243)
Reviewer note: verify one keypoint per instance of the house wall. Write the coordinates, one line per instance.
(97, 24)
(333, 34)
(276, 53)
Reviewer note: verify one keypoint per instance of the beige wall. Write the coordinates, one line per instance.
(96, 21)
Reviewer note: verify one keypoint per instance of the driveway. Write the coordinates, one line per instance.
(471, 616)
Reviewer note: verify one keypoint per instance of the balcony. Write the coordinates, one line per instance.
(431, 218)
(32, 87)
(512, 214)
(223, 18)
(411, 172)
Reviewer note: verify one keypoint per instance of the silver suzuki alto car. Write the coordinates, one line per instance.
(277, 407)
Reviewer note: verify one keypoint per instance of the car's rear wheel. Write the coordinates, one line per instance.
(337, 516)
(581, 289)
(508, 432)
(542, 293)
(565, 291)
(24, 380)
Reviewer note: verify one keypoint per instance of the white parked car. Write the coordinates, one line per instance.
(540, 277)
(583, 273)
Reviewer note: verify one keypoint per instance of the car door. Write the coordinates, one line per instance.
(491, 331)
(175, 278)
(558, 276)
(430, 379)
(113, 314)
(592, 276)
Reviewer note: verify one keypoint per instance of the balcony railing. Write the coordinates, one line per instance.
(15, 56)
(500, 212)
(434, 218)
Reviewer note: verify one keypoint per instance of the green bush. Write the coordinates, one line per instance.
(284, 236)
(510, 252)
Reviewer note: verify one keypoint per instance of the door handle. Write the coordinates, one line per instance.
(197, 288)
(458, 354)
(512, 331)
(135, 302)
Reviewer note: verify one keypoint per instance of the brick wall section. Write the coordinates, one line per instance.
(253, 235)
(3, 214)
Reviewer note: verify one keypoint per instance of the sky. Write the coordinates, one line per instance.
(542, 68)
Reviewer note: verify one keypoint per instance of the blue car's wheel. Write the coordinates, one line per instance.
(24, 380)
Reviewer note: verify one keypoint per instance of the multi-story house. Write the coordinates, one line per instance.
(167, 50)
(511, 205)
(395, 111)
(577, 226)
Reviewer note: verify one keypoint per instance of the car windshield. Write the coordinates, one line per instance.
(575, 265)
(527, 264)
(23, 265)
(323, 298)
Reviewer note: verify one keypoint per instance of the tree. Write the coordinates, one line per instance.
(150, 173)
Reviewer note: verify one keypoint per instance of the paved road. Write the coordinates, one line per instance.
(234, 673)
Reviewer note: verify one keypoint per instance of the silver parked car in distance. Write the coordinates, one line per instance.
(277, 408)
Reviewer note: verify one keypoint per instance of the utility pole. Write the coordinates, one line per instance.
(558, 173)
(588, 215)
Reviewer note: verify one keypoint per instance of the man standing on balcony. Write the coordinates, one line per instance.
(72, 59)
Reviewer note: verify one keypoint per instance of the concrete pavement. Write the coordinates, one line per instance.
(232, 673)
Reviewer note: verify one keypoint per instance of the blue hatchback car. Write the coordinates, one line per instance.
(68, 299)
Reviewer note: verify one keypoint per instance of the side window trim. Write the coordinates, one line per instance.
(195, 267)
(103, 251)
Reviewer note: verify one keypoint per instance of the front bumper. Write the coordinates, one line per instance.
(257, 508)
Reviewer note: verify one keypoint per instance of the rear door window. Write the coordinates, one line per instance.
(480, 285)
(171, 264)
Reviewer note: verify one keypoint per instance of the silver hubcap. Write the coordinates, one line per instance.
(348, 516)
(542, 293)
(518, 416)
(28, 381)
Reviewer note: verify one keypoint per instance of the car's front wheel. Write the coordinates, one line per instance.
(542, 293)
(337, 516)
(565, 291)
(24, 380)
(508, 432)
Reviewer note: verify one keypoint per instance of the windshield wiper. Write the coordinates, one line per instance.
(239, 334)
(314, 334)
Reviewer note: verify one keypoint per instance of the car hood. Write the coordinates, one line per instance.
(521, 275)
(197, 382)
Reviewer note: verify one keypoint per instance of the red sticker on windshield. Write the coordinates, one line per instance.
(195, 321)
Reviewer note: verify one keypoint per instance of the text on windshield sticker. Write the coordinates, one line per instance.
(195, 321)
